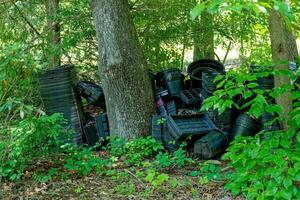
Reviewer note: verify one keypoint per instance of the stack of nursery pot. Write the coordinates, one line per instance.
(196, 68)
(244, 125)
(210, 145)
(59, 95)
(171, 80)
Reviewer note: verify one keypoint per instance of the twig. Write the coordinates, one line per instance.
(225, 169)
(227, 52)
(25, 18)
(132, 174)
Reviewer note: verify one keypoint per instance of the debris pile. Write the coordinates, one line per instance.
(208, 134)
(178, 99)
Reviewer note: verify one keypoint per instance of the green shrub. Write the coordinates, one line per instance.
(265, 166)
(134, 151)
(31, 137)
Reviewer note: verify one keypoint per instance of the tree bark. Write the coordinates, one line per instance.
(127, 88)
(204, 40)
(53, 36)
(284, 49)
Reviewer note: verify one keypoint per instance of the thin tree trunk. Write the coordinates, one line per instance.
(207, 43)
(122, 66)
(204, 38)
(53, 36)
(284, 48)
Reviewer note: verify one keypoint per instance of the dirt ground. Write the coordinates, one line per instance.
(99, 187)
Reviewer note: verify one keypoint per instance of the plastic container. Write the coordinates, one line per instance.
(161, 134)
(208, 81)
(164, 94)
(244, 126)
(196, 68)
(60, 96)
(211, 145)
(182, 126)
(265, 83)
(91, 134)
(223, 121)
(92, 92)
(264, 121)
(191, 97)
(102, 126)
(171, 108)
(160, 106)
(203, 95)
(171, 80)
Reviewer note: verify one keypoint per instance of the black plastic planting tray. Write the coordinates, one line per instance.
(91, 91)
(161, 133)
(191, 97)
(182, 126)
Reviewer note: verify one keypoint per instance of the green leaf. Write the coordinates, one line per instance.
(252, 85)
(287, 183)
(298, 138)
(197, 10)
(274, 109)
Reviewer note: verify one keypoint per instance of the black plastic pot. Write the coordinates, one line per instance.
(171, 80)
(264, 121)
(203, 95)
(244, 126)
(223, 121)
(208, 81)
(59, 95)
(266, 83)
(196, 68)
(211, 145)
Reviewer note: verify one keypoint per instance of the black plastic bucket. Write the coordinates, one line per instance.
(171, 80)
(195, 72)
(244, 126)
(196, 76)
(211, 145)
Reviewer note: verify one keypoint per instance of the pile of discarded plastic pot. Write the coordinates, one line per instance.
(178, 100)
(62, 93)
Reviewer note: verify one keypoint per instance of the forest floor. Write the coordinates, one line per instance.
(102, 187)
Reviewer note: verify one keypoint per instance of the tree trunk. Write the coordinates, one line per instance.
(284, 48)
(53, 36)
(204, 40)
(127, 88)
